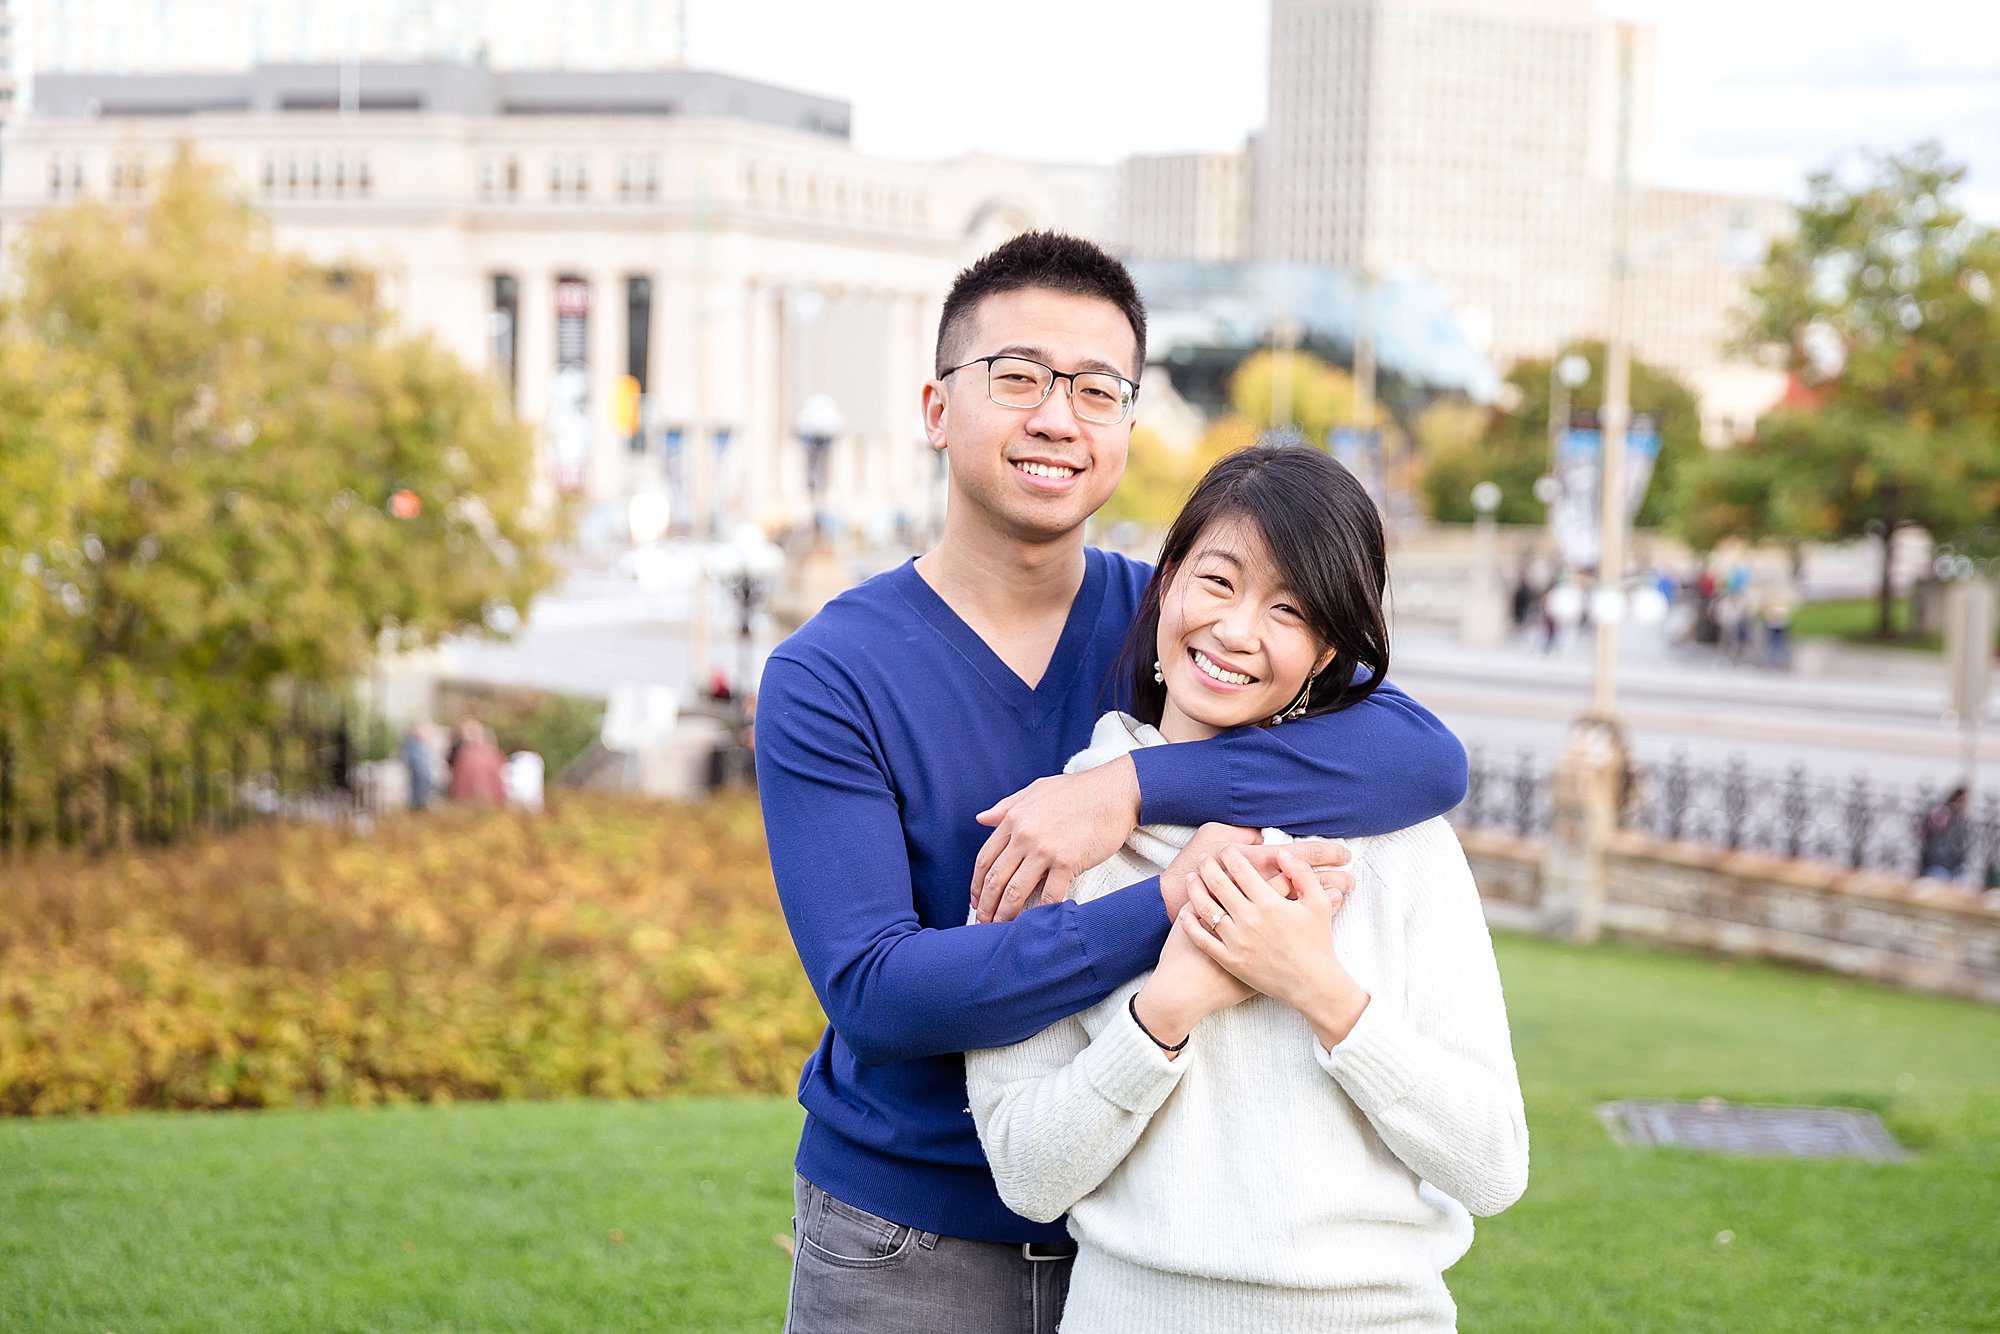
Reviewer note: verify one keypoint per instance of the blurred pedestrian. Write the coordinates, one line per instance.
(1944, 838)
(1777, 631)
(476, 766)
(1732, 620)
(420, 761)
(1524, 599)
(523, 778)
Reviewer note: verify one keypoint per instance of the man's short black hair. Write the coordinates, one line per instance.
(1052, 260)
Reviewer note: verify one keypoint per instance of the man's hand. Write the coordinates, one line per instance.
(1050, 831)
(1324, 857)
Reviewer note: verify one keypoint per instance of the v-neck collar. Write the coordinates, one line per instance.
(1064, 663)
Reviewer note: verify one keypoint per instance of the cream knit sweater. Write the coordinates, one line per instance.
(1259, 1182)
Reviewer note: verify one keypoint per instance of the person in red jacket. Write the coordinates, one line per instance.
(476, 763)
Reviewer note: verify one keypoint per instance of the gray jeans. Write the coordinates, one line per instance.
(855, 1273)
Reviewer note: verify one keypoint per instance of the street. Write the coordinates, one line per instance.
(1867, 714)
(1891, 728)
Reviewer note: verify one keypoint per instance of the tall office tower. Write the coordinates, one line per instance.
(1183, 206)
(1473, 139)
(180, 36)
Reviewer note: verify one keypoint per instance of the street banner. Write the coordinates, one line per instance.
(569, 388)
(1575, 514)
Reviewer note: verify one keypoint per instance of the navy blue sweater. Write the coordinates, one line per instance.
(883, 726)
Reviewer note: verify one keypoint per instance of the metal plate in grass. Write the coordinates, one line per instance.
(1714, 1126)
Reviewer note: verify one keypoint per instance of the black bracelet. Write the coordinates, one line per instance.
(1133, 1006)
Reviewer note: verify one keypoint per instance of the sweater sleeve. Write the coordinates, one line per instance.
(1059, 1112)
(1384, 764)
(1436, 1077)
(892, 988)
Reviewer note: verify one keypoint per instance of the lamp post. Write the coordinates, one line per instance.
(746, 565)
(818, 425)
(1483, 619)
(1591, 778)
(1587, 789)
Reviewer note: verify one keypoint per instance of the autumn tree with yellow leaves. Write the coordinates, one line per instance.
(200, 439)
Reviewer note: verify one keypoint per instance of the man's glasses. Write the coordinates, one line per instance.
(1017, 382)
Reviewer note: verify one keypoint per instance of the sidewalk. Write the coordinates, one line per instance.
(1825, 677)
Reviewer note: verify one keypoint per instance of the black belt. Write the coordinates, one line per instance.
(1049, 1250)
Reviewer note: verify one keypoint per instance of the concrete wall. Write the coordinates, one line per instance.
(1912, 934)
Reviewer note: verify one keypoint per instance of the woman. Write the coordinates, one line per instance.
(1286, 1124)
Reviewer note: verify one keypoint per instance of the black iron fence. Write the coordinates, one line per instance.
(1511, 794)
(1856, 823)
(156, 794)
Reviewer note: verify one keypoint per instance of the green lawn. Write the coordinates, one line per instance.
(613, 1216)
(1854, 620)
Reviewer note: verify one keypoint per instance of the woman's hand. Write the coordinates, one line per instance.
(1277, 938)
(1185, 988)
(1323, 856)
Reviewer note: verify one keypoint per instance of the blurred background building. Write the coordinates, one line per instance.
(181, 36)
(1192, 206)
(650, 262)
(664, 266)
(10, 60)
(1473, 142)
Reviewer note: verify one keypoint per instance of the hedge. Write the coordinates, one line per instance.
(606, 948)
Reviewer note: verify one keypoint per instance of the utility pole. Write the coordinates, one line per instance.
(1285, 334)
(1608, 610)
(1364, 359)
(1588, 787)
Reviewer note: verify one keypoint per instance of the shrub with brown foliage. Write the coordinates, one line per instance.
(607, 948)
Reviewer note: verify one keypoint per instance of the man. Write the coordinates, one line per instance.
(901, 718)
(1945, 837)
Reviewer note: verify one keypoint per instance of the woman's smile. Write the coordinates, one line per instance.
(1220, 677)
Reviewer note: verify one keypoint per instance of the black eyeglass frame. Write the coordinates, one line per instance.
(1131, 386)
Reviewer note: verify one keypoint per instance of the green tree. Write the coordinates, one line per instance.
(249, 416)
(1514, 449)
(53, 461)
(1881, 305)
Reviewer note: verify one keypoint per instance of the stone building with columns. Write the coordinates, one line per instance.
(719, 242)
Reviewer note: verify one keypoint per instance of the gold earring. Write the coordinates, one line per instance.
(1297, 706)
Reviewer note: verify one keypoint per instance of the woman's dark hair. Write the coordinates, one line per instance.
(1325, 538)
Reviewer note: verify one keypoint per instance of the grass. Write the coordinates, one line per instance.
(495, 1216)
(662, 1215)
(1854, 621)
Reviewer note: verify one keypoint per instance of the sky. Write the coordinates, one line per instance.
(1752, 94)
